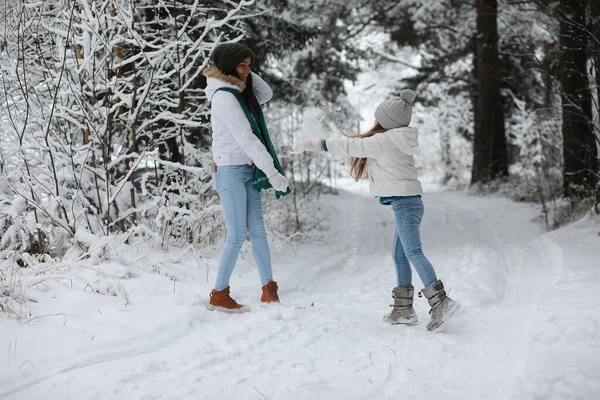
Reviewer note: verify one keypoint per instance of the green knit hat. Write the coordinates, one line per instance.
(227, 56)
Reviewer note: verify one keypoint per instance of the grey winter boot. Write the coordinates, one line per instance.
(403, 312)
(442, 306)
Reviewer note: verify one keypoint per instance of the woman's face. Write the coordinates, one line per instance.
(243, 68)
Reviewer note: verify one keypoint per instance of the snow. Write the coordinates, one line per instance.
(312, 125)
(528, 328)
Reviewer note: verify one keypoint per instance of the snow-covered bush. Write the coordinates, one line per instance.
(104, 127)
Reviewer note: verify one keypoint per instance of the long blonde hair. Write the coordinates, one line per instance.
(357, 165)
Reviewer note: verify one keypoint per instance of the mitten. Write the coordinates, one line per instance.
(308, 145)
(279, 182)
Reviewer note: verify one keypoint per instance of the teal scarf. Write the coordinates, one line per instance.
(260, 181)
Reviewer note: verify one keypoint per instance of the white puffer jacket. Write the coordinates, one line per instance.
(233, 142)
(390, 162)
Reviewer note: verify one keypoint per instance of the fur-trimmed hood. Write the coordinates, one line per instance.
(215, 79)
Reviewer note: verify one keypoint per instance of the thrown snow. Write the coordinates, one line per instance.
(312, 124)
(529, 326)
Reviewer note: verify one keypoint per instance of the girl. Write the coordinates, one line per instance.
(245, 163)
(384, 155)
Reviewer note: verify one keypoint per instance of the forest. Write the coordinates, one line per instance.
(105, 130)
(117, 248)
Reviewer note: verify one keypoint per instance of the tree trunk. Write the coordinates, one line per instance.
(479, 142)
(490, 156)
(594, 17)
(579, 145)
(596, 132)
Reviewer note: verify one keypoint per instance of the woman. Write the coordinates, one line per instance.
(245, 163)
(384, 155)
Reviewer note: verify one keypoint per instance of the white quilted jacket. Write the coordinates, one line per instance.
(390, 162)
(233, 142)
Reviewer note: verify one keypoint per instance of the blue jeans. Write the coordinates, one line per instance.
(242, 208)
(408, 212)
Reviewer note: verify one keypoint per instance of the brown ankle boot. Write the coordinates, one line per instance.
(269, 293)
(221, 300)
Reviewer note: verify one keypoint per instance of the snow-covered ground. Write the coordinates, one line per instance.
(529, 327)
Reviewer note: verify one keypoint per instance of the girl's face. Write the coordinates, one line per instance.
(243, 69)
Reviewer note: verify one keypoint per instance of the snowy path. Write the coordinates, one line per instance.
(529, 326)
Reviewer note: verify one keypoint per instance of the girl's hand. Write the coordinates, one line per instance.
(308, 145)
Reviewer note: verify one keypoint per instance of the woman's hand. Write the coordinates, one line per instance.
(279, 182)
(308, 145)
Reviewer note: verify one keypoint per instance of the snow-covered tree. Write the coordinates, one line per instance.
(102, 118)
